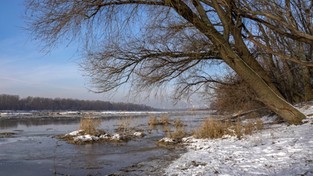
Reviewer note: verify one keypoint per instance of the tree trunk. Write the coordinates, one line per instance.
(251, 61)
(273, 101)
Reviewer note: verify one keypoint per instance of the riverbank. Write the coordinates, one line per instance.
(278, 150)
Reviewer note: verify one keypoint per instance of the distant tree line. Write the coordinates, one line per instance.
(14, 102)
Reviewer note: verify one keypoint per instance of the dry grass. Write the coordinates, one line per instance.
(178, 123)
(166, 129)
(249, 128)
(179, 131)
(124, 125)
(89, 125)
(153, 121)
(259, 124)
(164, 120)
(213, 129)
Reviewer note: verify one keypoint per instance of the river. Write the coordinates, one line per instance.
(28, 146)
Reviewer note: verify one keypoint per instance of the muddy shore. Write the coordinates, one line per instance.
(152, 167)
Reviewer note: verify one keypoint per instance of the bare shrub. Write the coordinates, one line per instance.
(89, 125)
(235, 96)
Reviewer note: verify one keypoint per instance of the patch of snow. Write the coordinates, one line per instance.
(138, 134)
(123, 113)
(227, 136)
(279, 150)
(15, 114)
(167, 140)
(84, 138)
(69, 112)
(74, 133)
(268, 119)
(104, 136)
(116, 136)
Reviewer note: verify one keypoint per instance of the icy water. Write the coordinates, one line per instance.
(33, 149)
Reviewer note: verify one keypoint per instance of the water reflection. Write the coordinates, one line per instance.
(14, 123)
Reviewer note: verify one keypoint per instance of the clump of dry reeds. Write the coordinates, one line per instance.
(179, 130)
(154, 121)
(213, 129)
(124, 125)
(164, 120)
(259, 124)
(89, 125)
(178, 123)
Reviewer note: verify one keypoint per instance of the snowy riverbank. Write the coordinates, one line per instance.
(278, 150)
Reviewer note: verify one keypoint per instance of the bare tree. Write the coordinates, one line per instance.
(284, 43)
(178, 40)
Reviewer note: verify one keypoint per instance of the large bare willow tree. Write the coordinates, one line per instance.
(153, 42)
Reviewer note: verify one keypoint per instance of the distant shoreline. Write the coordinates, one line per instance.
(93, 114)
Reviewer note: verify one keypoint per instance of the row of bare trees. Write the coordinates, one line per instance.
(152, 43)
(13, 102)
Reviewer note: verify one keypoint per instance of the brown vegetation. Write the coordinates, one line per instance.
(89, 125)
(154, 121)
(213, 129)
(173, 134)
(6, 134)
(164, 120)
(234, 96)
(174, 130)
(178, 133)
(178, 123)
(124, 125)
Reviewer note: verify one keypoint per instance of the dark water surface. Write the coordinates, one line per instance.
(33, 150)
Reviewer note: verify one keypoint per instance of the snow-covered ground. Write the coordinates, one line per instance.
(278, 150)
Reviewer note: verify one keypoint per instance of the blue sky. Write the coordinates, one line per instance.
(26, 70)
